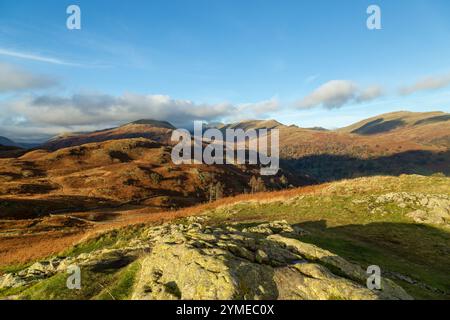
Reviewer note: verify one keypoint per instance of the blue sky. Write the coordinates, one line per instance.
(310, 63)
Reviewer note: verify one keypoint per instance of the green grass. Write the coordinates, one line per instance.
(95, 284)
(384, 184)
(14, 268)
(121, 288)
(101, 285)
(55, 288)
(348, 228)
(336, 210)
(112, 239)
(8, 292)
(428, 267)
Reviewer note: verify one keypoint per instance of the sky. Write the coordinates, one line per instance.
(304, 62)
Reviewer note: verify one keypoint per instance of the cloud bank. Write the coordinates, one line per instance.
(49, 114)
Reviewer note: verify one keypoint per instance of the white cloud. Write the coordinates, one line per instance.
(369, 93)
(48, 114)
(332, 94)
(336, 93)
(15, 79)
(86, 109)
(255, 110)
(429, 83)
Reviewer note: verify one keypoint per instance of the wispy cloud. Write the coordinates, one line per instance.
(312, 78)
(34, 57)
(426, 84)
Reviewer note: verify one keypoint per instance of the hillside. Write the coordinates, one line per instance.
(159, 131)
(113, 173)
(397, 120)
(252, 124)
(7, 142)
(307, 243)
(8, 151)
(420, 145)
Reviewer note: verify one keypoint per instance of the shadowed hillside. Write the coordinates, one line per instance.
(327, 167)
(397, 120)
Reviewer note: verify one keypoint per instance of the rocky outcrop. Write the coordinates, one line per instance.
(196, 261)
(261, 262)
(98, 259)
(433, 209)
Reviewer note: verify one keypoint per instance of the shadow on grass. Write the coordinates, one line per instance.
(415, 255)
(327, 167)
(33, 208)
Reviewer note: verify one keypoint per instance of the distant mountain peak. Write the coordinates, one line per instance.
(152, 122)
(318, 129)
(395, 120)
(253, 124)
(7, 142)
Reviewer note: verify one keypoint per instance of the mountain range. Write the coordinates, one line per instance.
(131, 164)
(426, 127)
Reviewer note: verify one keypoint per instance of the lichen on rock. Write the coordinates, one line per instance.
(196, 261)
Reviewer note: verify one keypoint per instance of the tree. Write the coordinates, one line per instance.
(257, 184)
(253, 182)
(284, 181)
(260, 186)
(219, 190)
(215, 191)
(211, 192)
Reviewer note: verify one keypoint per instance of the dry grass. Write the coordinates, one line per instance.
(19, 250)
(24, 248)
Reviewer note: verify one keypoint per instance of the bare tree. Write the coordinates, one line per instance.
(257, 184)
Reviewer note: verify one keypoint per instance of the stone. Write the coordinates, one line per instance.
(437, 215)
(271, 228)
(430, 209)
(11, 281)
(313, 281)
(419, 216)
(209, 274)
(261, 256)
(210, 263)
(279, 268)
(390, 290)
